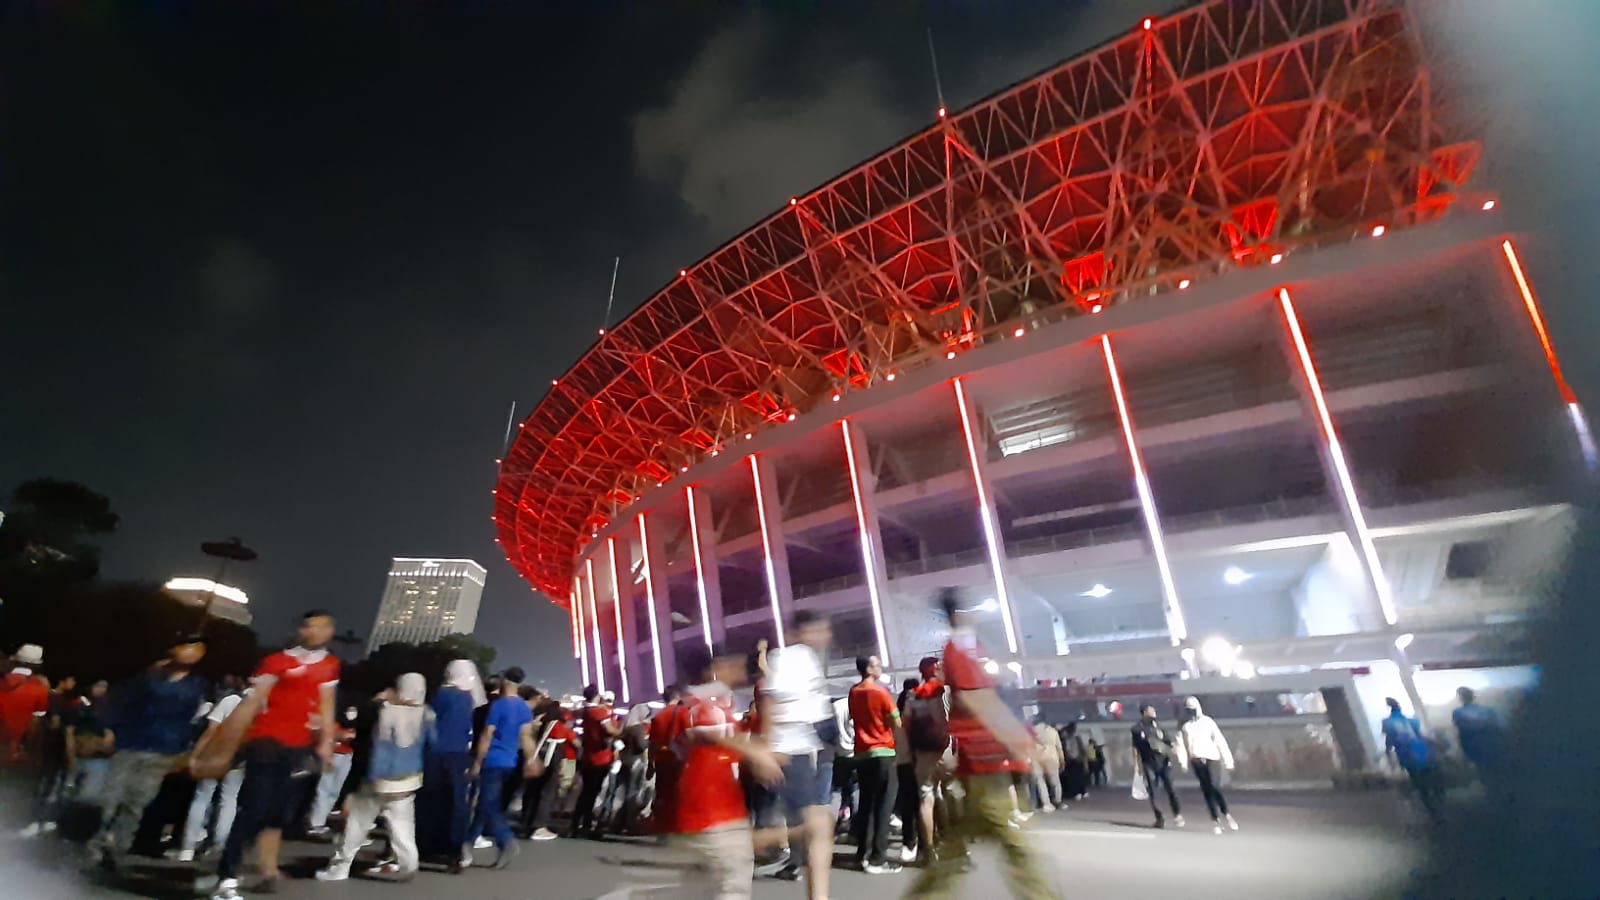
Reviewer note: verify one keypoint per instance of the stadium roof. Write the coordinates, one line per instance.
(1222, 136)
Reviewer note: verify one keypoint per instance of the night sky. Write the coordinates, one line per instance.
(279, 272)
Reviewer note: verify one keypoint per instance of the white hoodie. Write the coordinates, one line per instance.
(1202, 739)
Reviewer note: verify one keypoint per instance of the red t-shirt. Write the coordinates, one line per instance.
(562, 734)
(977, 751)
(709, 774)
(597, 746)
(21, 698)
(294, 705)
(873, 712)
(665, 727)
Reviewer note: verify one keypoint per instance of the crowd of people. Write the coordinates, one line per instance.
(485, 762)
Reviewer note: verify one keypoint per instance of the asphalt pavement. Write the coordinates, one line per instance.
(1313, 844)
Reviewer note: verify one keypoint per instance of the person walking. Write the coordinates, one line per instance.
(90, 744)
(152, 716)
(1402, 739)
(446, 795)
(715, 828)
(874, 717)
(288, 727)
(330, 783)
(1047, 766)
(907, 800)
(405, 730)
(1154, 751)
(507, 733)
(561, 747)
(50, 749)
(1074, 763)
(803, 732)
(1209, 757)
(664, 763)
(927, 722)
(631, 775)
(24, 697)
(224, 791)
(986, 736)
(1481, 733)
(594, 762)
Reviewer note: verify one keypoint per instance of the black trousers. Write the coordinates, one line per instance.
(879, 787)
(1216, 804)
(594, 778)
(1159, 774)
(909, 804)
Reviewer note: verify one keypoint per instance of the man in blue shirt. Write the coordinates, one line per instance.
(1481, 732)
(507, 731)
(153, 718)
(1402, 736)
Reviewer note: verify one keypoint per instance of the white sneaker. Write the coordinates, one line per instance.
(894, 821)
(32, 831)
(181, 855)
(227, 889)
(883, 868)
(1178, 821)
(482, 843)
(1216, 829)
(545, 834)
(49, 827)
(333, 874)
(1232, 825)
(908, 855)
(1048, 807)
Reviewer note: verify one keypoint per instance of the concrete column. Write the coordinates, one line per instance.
(629, 683)
(862, 485)
(774, 547)
(591, 613)
(1376, 604)
(657, 602)
(708, 576)
(978, 460)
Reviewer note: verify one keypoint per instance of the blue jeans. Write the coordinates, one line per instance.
(491, 818)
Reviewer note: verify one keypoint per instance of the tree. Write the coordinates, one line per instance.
(49, 527)
(385, 665)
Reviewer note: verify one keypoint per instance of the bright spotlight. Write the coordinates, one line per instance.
(1098, 591)
(1015, 667)
(1219, 653)
(1236, 576)
(992, 667)
(1404, 641)
(988, 605)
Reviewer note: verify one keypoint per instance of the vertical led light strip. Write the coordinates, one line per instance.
(866, 545)
(766, 550)
(650, 604)
(594, 629)
(1176, 625)
(616, 609)
(991, 534)
(699, 568)
(1580, 423)
(577, 624)
(1341, 469)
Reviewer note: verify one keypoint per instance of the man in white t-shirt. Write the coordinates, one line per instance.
(225, 791)
(802, 731)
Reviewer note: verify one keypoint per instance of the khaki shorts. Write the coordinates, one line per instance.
(725, 865)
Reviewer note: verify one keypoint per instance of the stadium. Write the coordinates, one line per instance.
(1201, 362)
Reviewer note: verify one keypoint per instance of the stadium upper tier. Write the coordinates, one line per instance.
(1224, 136)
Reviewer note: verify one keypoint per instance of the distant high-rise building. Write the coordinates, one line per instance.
(427, 599)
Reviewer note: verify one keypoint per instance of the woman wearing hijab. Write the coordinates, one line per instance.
(447, 797)
(1208, 757)
(404, 731)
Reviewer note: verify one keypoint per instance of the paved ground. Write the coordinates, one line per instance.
(1291, 845)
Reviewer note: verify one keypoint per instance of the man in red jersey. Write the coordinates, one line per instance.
(664, 768)
(873, 711)
(716, 826)
(290, 710)
(600, 729)
(987, 738)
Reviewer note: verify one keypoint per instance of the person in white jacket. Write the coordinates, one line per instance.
(1208, 755)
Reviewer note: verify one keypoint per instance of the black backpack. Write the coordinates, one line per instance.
(927, 723)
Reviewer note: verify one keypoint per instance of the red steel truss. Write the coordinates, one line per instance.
(1219, 137)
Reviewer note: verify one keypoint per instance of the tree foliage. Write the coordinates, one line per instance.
(387, 663)
(49, 528)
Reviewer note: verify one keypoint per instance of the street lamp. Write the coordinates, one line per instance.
(230, 550)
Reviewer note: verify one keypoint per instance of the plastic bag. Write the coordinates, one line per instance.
(1140, 792)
